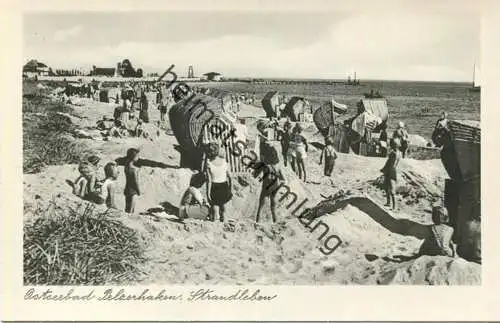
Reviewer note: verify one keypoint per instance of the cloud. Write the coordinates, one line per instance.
(62, 35)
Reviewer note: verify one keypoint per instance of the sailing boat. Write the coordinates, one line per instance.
(475, 87)
(352, 82)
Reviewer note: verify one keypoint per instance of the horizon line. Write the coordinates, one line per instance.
(340, 80)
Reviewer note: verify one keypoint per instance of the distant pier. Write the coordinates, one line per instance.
(290, 82)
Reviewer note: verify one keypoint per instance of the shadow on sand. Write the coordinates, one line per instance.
(377, 213)
(317, 145)
(145, 162)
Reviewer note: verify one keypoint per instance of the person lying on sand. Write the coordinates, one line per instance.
(118, 130)
(104, 124)
(193, 204)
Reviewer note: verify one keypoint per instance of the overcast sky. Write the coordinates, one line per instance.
(401, 46)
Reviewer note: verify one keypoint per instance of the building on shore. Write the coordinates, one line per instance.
(123, 69)
(212, 76)
(103, 71)
(34, 68)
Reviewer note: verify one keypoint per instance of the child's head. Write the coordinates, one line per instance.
(110, 170)
(94, 160)
(197, 180)
(439, 215)
(132, 154)
(261, 126)
(213, 150)
(329, 140)
(85, 168)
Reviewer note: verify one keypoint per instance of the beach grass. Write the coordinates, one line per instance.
(79, 247)
(47, 130)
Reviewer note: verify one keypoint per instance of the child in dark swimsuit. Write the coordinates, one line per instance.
(390, 172)
(284, 137)
(132, 188)
(330, 156)
(271, 181)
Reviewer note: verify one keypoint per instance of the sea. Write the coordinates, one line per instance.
(417, 104)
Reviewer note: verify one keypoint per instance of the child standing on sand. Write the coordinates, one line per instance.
(219, 181)
(390, 172)
(300, 147)
(330, 156)
(108, 187)
(284, 137)
(132, 189)
(272, 180)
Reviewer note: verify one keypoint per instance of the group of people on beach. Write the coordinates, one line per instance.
(215, 174)
(125, 122)
(90, 187)
(400, 133)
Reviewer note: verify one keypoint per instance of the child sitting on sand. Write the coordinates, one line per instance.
(132, 188)
(330, 156)
(193, 204)
(87, 185)
(439, 242)
(139, 131)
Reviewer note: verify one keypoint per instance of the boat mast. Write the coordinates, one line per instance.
(474, 76)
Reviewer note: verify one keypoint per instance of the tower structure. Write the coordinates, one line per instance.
(190, 72)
